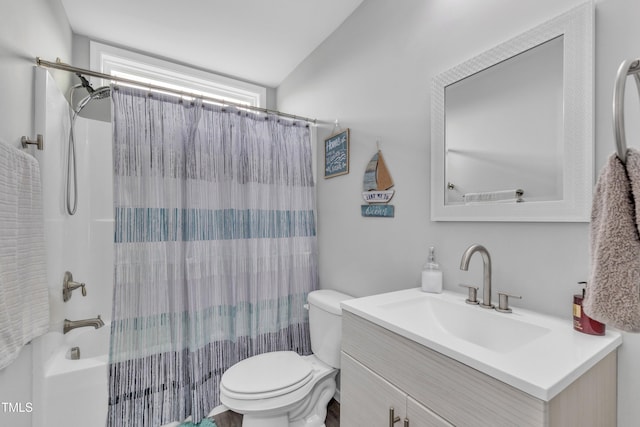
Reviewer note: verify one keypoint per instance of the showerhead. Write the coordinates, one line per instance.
(101, 93)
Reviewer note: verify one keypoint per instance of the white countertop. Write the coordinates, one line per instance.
(543, 366)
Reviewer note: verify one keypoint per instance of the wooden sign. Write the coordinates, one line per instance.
(336, 154)
(377, 190)
(383, 211)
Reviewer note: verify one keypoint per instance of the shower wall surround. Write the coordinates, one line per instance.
(81, 244)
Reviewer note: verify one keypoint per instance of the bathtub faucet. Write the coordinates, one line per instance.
(72, 324)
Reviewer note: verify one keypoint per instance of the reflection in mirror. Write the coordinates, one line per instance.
(517, 117)
(503, 127)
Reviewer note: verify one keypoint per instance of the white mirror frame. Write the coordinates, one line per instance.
(577, 27)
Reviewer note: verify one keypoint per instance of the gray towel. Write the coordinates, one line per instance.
(613, 289)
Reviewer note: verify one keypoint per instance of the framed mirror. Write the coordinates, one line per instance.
(512, 128)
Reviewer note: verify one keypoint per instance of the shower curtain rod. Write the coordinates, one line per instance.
(58, 65)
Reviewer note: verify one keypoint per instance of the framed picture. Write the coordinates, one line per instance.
(336, 154)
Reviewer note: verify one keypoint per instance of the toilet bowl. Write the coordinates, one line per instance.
(280, 389)
(284, 389)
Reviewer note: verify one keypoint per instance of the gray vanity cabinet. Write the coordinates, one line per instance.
(370, 400)
(381, 369)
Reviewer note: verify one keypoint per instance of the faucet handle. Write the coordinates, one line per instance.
(473, 293)
(68, 286)
(503, 302)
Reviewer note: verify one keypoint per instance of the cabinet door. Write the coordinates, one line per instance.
(365, 398)
(421, 416)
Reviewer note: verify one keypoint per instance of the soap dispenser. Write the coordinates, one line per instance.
(431, 274)
(582, 322)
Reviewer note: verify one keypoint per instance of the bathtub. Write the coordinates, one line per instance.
(75, 392)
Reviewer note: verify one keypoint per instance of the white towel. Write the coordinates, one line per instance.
(503, 196)
(24, 297)
(613, 289)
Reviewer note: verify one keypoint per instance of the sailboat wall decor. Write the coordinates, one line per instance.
(377, 190)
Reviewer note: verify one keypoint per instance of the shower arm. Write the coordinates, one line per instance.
(59, 65)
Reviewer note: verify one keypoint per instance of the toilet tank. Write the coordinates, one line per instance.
(325, 324)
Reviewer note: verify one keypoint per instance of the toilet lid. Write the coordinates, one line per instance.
(267, 375)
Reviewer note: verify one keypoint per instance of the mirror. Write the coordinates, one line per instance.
(522, 151)
(512, 130)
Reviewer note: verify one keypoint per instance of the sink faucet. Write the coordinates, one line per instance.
(73, 324)
(486, 260)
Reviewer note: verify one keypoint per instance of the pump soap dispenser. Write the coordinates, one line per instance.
(431, 274)
(582, 322)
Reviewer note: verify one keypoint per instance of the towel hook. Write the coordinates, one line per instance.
(39, 142)
(630, 66)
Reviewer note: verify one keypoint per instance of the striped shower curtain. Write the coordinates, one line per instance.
(215, 250)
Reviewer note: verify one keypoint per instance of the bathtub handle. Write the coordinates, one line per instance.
(68, 286)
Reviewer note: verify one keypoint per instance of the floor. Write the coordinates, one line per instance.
(231, 419)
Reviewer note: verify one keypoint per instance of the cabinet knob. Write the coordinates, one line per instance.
(392, 417)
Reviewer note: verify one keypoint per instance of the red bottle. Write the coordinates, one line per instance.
(582, 322)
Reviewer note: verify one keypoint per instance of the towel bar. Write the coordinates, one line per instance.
(628, 67)
(495, 196)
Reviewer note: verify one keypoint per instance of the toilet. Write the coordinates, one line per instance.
(284, 389)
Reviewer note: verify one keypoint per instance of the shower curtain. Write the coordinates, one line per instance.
(215, 250)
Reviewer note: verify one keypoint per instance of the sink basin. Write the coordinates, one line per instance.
(536, 353)
(486, 328)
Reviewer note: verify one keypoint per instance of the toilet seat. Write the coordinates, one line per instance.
(266, 376)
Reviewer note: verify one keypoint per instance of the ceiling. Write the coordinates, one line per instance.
(260, 41)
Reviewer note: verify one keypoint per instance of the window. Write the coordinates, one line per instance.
(123, 63)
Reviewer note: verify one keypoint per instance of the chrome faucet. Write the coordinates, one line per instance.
(486, 260)
(73, 324)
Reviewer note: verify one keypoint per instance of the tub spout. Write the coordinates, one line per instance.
(73, 324)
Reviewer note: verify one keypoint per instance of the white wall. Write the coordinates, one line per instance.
(28, 28)
(374, 75)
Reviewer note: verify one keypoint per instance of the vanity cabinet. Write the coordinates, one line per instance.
(370, 399)
(381, 369)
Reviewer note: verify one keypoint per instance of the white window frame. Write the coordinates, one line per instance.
(121, 62)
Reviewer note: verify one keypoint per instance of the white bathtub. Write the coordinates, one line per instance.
(75, 392)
